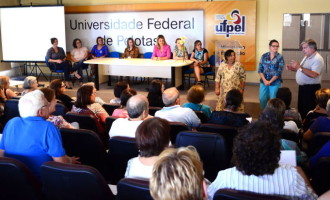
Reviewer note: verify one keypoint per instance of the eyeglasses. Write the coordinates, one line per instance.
(275, 46)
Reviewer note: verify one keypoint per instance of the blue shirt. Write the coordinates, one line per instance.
(98, 53)
(324, 152)
(32, 140)
(271, 68)
(199, 107)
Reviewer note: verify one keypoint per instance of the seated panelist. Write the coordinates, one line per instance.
(162, 51)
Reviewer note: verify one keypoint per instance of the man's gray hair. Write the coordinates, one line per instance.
(170, 95)
(136, 105)
(311, 43)
(30, 103)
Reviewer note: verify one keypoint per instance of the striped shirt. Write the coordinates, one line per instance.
(285, 181)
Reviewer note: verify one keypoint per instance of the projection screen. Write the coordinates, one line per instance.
(26, 32)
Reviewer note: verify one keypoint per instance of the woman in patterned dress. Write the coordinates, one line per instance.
(230, 75)
(179, 52)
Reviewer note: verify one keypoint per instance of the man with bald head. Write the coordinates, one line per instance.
(173, 112)
(137, 108)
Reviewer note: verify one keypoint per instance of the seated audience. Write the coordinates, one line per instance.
(321, 124)
(278, 105)
(195, 97)
(118, 89)
(30, 84)
(85, 104)
(97, 99)
(275, 118)
(173, 112)
(121, 112)
(178, 174)
(324, 152)
(155, 91)
(162, 51)
(321, 97)
(131, 51)
(30, 138)
(79, 54)
(256, 155)
(4, 84)
(152, 137)
(231, 116)
(138, 109)
(58, 121)
(59, 87)
(285, 95)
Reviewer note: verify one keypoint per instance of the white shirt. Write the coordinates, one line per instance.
(179, 114)
(315, 63)
(79, 54)
(291, 125)
(136, 169)
(285, 181)
(124, 127)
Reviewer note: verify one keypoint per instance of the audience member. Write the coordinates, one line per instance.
(121, 112)
(4, 84)
(200, 57)
(324, 152)
(256, 155)
(321, 124)
(173, 112)
(285, 95)
(79, 54)
(97, 99)
(30, 84)
(58, 120)
(279, 106)
(162, 51)
(30, 138)
(195, 97)
(59, 87)
(178, 174)
(118, 89)
(131, 51)
(152, 137)
(321, 97)
(155, 91)
(137, 108)
(231, 116)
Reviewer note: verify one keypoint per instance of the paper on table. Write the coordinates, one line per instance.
(288, 157)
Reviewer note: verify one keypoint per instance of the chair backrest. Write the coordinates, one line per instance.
(68, 181)
(211, 148)
(153, 110)
(10, 110)
(108, 123)
(110, 107)
(176, 128)
(321, 175)
(290, 135)
(230, 194)
(201, 116)
(114, 54)
(85, 121)
(60, 109)
(47, 62)
(129, 188)
(317, 142)
(121, 149)
(17, 181)
(147, 55)
(212, 60)
(86, 145)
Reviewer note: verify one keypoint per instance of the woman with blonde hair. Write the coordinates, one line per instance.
(162, 51)
(4, 85)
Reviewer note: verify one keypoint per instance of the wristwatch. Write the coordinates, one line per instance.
(301, 69)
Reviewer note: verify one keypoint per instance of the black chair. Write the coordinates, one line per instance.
(121, 149)
(202, 116)
(211, 148)
(110, 107)
(85, 121)
(290, 135)
(129, 188)
(60, 109)
(68, 181)
(176, 128)
(230, 194)
(10, 110)
(320, 176)
(17, 181)
(108, 123)
(317, 142)
(153, 110)
(86, 145)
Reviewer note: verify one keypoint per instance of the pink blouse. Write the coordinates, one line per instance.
(119, 112)
(165, 53)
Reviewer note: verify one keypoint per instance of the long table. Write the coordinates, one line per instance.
(139, 67)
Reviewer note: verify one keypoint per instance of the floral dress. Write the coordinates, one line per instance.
(229, 79)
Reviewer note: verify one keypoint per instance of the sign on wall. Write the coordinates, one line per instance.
(143, 27)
